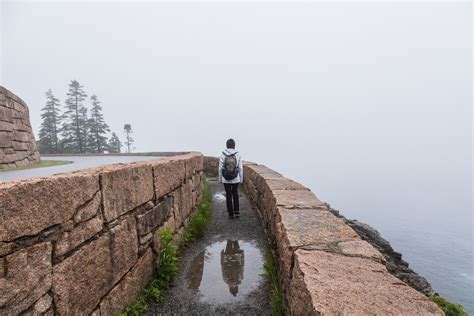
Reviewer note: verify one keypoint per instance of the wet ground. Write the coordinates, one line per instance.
(78, 163)
(222, 274)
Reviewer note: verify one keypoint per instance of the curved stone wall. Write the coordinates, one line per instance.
(87, 242)
(325, 268)
(17, 142)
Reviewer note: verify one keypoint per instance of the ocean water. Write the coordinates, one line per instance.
(426, 215)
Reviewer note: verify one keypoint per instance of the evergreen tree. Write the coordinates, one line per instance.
(86, 128)
(74, 129)
(115, 145)
(98, 127)
(49, 130)
(129, 140)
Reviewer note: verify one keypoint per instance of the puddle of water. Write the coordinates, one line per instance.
(219, 196)
(225, 271)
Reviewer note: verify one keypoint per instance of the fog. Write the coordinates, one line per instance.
(368, 104)
(356, 78)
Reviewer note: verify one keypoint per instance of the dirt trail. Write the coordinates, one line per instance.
(222, 274)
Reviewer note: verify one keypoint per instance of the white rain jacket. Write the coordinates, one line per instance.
(240, 176)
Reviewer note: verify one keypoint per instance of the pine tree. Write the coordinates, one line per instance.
(48, 134)
(115, 145)
(85, 129)
(98, 127)
(129, 140)
(74, 128)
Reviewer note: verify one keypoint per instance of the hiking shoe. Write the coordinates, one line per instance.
(237, 214)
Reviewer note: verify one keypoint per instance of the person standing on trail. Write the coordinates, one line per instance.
(231, 173)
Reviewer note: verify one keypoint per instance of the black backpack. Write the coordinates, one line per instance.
(230, 169)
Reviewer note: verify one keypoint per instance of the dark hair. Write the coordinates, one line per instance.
(230, 143)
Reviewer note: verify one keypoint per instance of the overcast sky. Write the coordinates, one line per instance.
(351, 85)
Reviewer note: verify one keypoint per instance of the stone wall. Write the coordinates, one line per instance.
(324, 266)
(88, 241)
(17, 142)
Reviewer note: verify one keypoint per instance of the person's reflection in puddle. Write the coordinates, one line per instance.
(232, 265)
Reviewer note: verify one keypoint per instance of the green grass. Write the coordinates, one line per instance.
(450, 309)
(165, 271)
(168, 264)
(169, 256)
(139, 307)
(42, 164)
(153, 154)
(199, 219)
(276, 294)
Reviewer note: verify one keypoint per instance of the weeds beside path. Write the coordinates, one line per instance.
(169, 256)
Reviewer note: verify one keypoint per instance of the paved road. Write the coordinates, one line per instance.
(222, 274)
(78, 163)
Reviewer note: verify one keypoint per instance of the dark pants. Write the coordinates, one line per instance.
(232, 195)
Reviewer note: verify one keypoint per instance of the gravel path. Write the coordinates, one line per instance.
(222, 274)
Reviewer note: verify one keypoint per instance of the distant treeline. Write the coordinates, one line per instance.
(69, 128)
